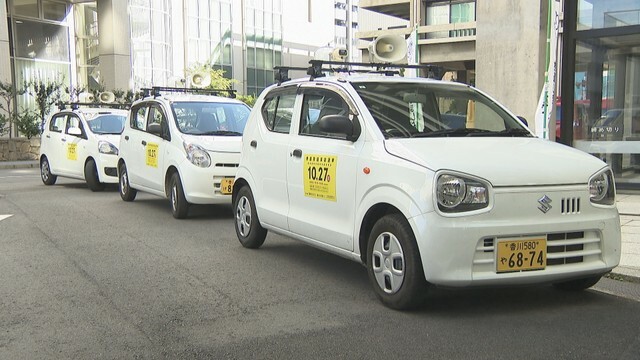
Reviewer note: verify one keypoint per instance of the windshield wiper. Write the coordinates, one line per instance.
(220, 132)
(514, 132)
(454, 132)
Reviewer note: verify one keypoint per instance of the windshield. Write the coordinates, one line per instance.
(106, 123)
(208, 118)
(404, 110)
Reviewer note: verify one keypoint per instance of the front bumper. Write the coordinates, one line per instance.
(582, 239)
(203, 185)
(107, 168)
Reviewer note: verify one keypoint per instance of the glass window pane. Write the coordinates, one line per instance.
(36, 40)
(25, 8)
(596, 14)
(54, 11)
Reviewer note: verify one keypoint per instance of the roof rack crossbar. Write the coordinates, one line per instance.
(156, 91)
(75, 105)
(282, 73)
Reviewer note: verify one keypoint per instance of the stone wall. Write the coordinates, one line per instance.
(19, 149)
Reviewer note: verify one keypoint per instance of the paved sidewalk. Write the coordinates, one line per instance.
(628, 206)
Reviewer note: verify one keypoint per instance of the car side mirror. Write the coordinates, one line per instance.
(74, 131)
(155, 129)
(524, 121)
(340, 124)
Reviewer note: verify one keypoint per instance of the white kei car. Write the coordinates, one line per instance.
(424, 182)
(82, 143)
(181, 144)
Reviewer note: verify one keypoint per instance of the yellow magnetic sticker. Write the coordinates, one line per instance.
(319, 174)
(72, 153)
(152, 154)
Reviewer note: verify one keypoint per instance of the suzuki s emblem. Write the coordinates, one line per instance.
(545, 204)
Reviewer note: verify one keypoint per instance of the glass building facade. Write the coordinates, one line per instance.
(600, 96)
(263, 34)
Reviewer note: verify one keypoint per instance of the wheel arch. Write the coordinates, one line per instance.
(167, 178)
(375, 213)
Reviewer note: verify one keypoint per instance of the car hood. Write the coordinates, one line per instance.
(501, 161)
(228, 144)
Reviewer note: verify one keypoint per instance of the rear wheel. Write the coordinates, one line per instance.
(394, 265)
(179, 204)
(248, 229)
(126, 192)
(91, 176)
(45, 172)
(578, 284)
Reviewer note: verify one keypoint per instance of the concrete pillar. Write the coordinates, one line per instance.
(510, 52)
(5, 60)
(115, 44)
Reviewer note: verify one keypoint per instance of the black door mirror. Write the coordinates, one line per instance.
(526, 123)
(340, 124)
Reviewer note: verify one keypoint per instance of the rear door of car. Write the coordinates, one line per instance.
(52, 144)
(76, 151)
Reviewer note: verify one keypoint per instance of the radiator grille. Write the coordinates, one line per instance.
(562, 248)
(570, 205)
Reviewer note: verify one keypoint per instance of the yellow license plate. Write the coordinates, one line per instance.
(521, 254)
(226, 186)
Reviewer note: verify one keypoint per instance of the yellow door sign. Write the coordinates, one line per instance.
(319, 174)
(152, 154)
(72, 151)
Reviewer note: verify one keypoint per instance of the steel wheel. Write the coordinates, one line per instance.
(248, 229)
(45, 172)
(243, 216)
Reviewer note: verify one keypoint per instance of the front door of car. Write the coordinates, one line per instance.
(268, 156)
(53, 146)
(75, 148)
(322, 173)
(152, 149)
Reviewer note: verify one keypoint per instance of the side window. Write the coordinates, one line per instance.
(74, 122)
(139, 118)
(57, 123)
(277, 111)
(316, 104)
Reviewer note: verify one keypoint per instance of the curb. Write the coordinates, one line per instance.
(623, 273)
(19, 164)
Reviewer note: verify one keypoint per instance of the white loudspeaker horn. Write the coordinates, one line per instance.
(339, 54)
(107, 97)
(86, 97)
(200, 79)
(388, 48)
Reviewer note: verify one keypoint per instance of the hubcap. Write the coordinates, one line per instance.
(123, 181)
(243, 216)
(388, 262)
(45, 170)
(174, 197)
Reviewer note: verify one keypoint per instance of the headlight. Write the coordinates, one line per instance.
(197, 155)
(105, 147)
(602, 188)
(458, 194)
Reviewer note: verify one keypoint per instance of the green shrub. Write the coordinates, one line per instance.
(28, 123)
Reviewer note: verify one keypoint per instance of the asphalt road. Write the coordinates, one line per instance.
(86, 275)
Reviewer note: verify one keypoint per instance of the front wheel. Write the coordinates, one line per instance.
(578, 284)
(179, 204)
(248, 229)
(126, 192)
(45, 172)
(91, 176)
(394, 265)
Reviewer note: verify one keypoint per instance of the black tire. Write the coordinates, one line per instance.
(248, 229)
(394, 265)
(179, 204)
(127, 193)
(45, 172)
(91, 176)
(578, 284)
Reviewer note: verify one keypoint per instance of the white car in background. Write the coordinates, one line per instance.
(184, 145)
(82, 143)
(425, 183)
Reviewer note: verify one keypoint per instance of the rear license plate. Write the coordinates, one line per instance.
(226, 186)
(521, 254)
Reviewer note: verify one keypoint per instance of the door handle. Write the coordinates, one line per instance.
(297, 153)
(48, 137)
(144, 142)
(126, 137)
(254, 144)
(64, 140)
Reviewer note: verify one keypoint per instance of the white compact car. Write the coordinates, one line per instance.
(181, 144)
(82, 143)
(425, 182)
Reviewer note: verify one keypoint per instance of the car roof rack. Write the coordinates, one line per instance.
(318, 68)
(76, 105)
(156, 91)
